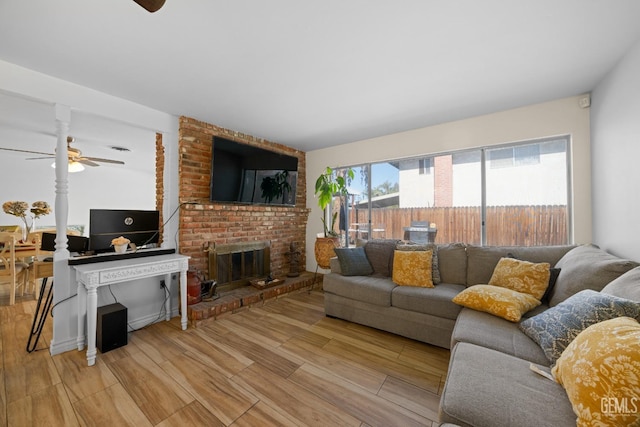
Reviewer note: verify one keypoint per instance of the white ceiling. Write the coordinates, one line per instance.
(311, 74)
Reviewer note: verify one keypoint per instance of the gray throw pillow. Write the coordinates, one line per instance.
(587, 267)
(556, 327)
(380, 255)
(353, 262)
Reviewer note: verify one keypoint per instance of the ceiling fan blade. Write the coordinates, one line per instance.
(85, 162)
(26, 151)
(150, 5)
(40, 158)
(97, 159)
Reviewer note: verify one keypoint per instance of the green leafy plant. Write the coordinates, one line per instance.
(273, 187)
(328, 185)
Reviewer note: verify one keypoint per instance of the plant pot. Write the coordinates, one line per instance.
(120, 249)
(324, 250)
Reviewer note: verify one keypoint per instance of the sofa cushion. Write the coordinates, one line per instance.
(487, 388)
(600, 371)
(502, 302)
(482, 260)
(353, 262)
(370, 289)
(587, 267)
(435, 270)
(412, 268)
(626, 286)
(556, 327)
(436, 301)
(489, 331)
(452, 263)
(522, 276)
(380, 255)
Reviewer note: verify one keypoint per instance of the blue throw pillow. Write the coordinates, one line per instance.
(556, 327)
(353, 261)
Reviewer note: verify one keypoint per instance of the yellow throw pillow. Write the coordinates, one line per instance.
(412, 268)
(522, 276)
(600, 370)
(501, 302)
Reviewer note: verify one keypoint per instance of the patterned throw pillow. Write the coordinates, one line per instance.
(499, 301)
(353, 262)
(522, 276)
(435, 269)
(555, 328)
(600, 371)
(412, 268)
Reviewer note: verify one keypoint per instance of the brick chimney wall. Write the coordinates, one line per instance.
(208, 223)
(160, 180)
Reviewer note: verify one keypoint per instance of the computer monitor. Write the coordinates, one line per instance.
(139, 226)
(75, 244)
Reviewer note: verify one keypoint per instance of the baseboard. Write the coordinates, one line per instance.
(146, 320)
(72, 343)
(63, 346)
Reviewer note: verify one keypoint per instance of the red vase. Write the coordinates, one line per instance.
(193, 288)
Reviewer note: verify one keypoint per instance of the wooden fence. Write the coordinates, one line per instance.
(506, 225)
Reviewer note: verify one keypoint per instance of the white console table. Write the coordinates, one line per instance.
(93, 275)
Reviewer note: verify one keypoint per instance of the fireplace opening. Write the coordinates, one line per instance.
(234, 265)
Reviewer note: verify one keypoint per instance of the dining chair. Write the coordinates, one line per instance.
(12, 270)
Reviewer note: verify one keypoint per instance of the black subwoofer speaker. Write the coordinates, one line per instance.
(111, 330)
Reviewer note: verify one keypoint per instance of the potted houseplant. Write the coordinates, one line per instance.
(328, 185)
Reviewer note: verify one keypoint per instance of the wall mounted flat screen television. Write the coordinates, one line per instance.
(246, 174)
(140, 226)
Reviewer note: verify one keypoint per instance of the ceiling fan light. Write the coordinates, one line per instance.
(73, 167)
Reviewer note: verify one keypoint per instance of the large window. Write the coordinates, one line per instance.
(513, 194)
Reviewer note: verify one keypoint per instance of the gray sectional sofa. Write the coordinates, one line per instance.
(490, 381)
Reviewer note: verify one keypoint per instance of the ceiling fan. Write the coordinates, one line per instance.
(73, 154)
(151, 5)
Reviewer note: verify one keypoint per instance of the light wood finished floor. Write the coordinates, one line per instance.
(283, 364)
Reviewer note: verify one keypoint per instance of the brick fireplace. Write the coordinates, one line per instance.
(233, 265)
(207, 224)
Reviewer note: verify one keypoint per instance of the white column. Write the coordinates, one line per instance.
(63, 279)
(63, 117)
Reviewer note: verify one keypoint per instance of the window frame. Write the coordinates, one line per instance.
(484, 164)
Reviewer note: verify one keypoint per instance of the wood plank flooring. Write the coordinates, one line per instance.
(283, 364)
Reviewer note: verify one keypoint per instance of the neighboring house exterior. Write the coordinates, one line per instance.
(534, 174)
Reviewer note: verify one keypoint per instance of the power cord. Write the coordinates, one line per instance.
(153, 236)
(61, 301)
(161, 312)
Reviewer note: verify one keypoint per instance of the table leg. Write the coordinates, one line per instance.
(92, 313)
(183, 298)
(82, 311)
(167, 302)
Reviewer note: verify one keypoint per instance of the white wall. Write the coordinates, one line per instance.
(94, 188)
(98, 188)
(615, 130)
(563, 116)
